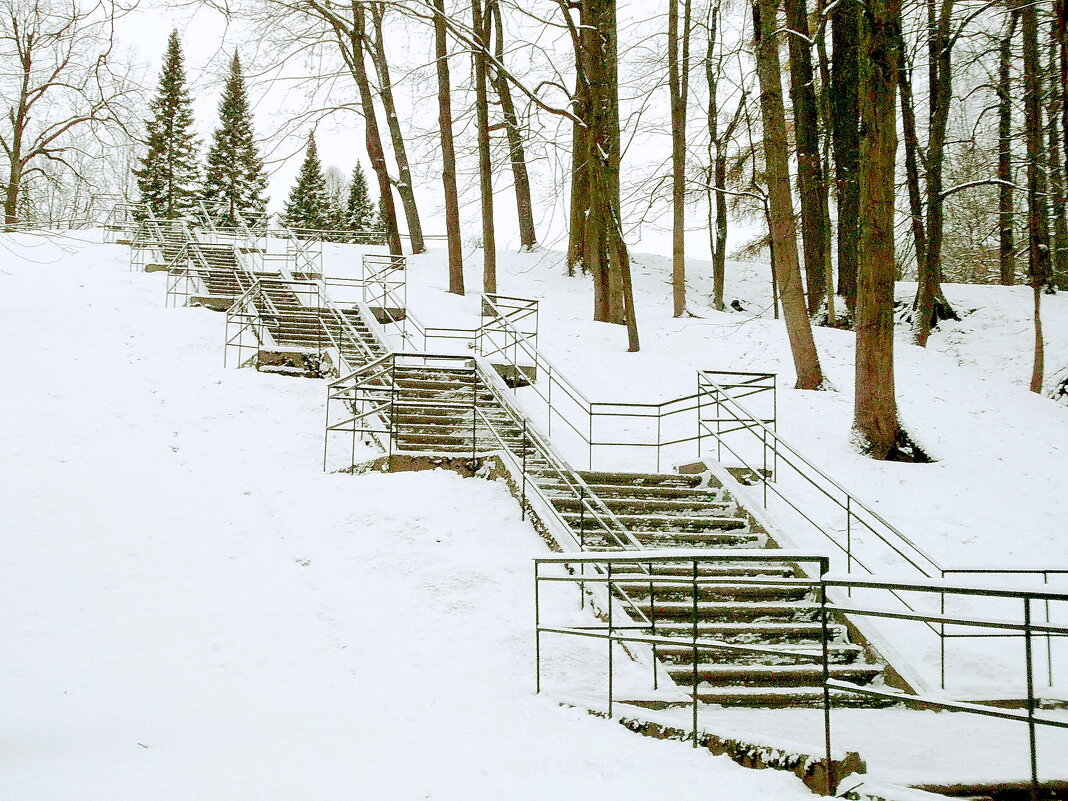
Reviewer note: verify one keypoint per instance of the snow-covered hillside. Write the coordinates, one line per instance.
(194, 610)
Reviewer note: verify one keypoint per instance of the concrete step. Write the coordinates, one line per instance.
(652, 505)
(640, 479)
(652, 492)
(714, 592)
(777, 676)
(764, 611)
(803, 652)
(673, 523)
(779, 697)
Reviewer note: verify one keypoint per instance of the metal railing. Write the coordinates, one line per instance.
(617, 569)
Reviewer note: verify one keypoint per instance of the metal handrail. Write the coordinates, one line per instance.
(627, 632)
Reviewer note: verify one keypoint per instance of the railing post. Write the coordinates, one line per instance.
(693, 661)
(652, 623)
(610, 632)
(1029, 659)
(523, 472)
(826, 658)
(942, 635)
(537, 631)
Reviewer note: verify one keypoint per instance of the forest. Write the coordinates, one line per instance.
(852, 143)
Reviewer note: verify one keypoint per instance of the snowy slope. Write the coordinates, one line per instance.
(194, 610)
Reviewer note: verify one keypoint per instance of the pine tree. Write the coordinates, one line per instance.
(360, 213)
(168, 175)
(309, 203)
(235, 180)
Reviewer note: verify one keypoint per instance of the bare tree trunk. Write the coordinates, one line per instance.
(783, 231)
(604, 253)
(824, 98)
(912, 171)
(717, 157)
(372, 135)
(810, 185)
(1006, 214)
(930, 305)
(1038, 255)
(528, 239)
(678, 84)
(377, 48)
(1059, 262)
(845, 131)
(875, 420)
(485, 166)
(448, 150)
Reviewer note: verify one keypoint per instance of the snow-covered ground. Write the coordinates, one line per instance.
(193, 610)
(196, 611)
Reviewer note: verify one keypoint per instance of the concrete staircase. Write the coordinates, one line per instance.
(430, 409)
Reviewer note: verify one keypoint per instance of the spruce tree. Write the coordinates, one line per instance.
(360, 212)
(235, 180)
(168, 175)
(309, 204)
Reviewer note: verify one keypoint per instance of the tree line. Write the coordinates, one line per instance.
(876, 139)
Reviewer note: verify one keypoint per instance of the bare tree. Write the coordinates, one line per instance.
(448, 149)
(785, 265)
(875, 420)
(57, 71)
(678, 55)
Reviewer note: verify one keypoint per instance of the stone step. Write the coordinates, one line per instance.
(640, 479)
(777, 676)
(838, 653)
(651, 491)
(766, 611)
(722, 569)
(665, 539)
(714, 592)
(754, 632)
(673, 523)
(687, 508)
(776, 697)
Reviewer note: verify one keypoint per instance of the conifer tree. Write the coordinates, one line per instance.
(235, 180)
(168, 175)
(360, 212)
(309, 202)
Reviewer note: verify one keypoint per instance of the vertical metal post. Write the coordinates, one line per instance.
(1049, 638)
(523, 471)
(942, 635)
(537, 631)
(610, 631)
(693, 661)
(658, 422)
(652, 623)
(825, 639)
(1028, 658)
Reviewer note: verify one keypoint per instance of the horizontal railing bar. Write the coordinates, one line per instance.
(958, 706)
(699, 555)
(606, 633)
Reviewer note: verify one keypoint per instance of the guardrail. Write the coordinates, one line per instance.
(623, 631)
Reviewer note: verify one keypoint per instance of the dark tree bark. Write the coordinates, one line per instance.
(528, 239)
(485, 166)
(373, 137)
(810, 184)
(678, 84)
(845, 132)
(717, 158)
(1006, 200)
(785, 264)
(448, 150)
(929, 301)
(1059, 259)
(875, 420)
(377, 48)
(912, 170)
(597, 239)
(1038, 249)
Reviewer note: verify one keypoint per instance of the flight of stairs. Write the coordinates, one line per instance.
(427, 408)
(430, 408)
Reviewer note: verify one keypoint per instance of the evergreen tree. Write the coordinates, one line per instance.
(168, 175)
(360, 212)
(235, 181)
(309, 203)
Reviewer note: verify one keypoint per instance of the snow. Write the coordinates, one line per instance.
(194, 610)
